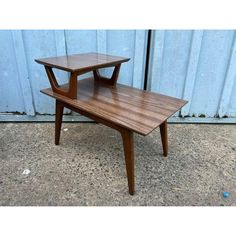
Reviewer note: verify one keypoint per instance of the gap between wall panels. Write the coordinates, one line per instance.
(147, 59)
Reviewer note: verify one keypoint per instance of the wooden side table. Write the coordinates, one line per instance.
(120, 107)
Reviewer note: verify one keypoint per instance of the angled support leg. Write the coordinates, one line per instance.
(164, 137)
(112, 81)
(58, 120)
(72, 90)
(128, 143)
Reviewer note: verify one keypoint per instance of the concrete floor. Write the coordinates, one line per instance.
(88, 168)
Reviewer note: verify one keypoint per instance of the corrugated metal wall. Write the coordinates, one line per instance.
(199, 66)
(21, 78)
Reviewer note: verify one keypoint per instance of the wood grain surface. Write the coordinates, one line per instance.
(82, 63)
(136, 110)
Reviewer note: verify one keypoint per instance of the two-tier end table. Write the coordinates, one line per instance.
(120, 107)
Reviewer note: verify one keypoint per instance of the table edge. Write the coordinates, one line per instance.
(82, 69)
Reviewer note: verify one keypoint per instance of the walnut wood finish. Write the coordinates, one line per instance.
(82, 63)
(112, 81)
(120, 107)
(71, 92)
(126, 134)
(79, 64)
(58, 121)
(164, 137)
(130, 108)
(128, 144)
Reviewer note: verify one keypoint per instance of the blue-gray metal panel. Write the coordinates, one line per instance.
(170, 78)
(127, 43)
(39, 44)
(23, 72)
(227, 105)
(212, 69)
(198, 66)
(169, 62)
(232, 104)
(11, 98)
(192, 70)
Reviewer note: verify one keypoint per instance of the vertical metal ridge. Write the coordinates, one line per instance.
(192, 70)
(23, 73)
(60, 42)
(158, 50)
(139, 61)
(228, 81)
(102, 41)
(66, 48)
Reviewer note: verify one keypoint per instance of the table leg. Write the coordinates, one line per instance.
(128, 144)
(164, 137)
(126, 134)
(58, 120)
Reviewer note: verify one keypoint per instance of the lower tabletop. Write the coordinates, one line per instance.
(135, 109)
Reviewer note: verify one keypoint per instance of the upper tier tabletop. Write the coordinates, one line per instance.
(82, 62)
(134, 109)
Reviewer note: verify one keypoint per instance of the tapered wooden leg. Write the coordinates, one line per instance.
(58, 120)
(164, 138)
(128, 143)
